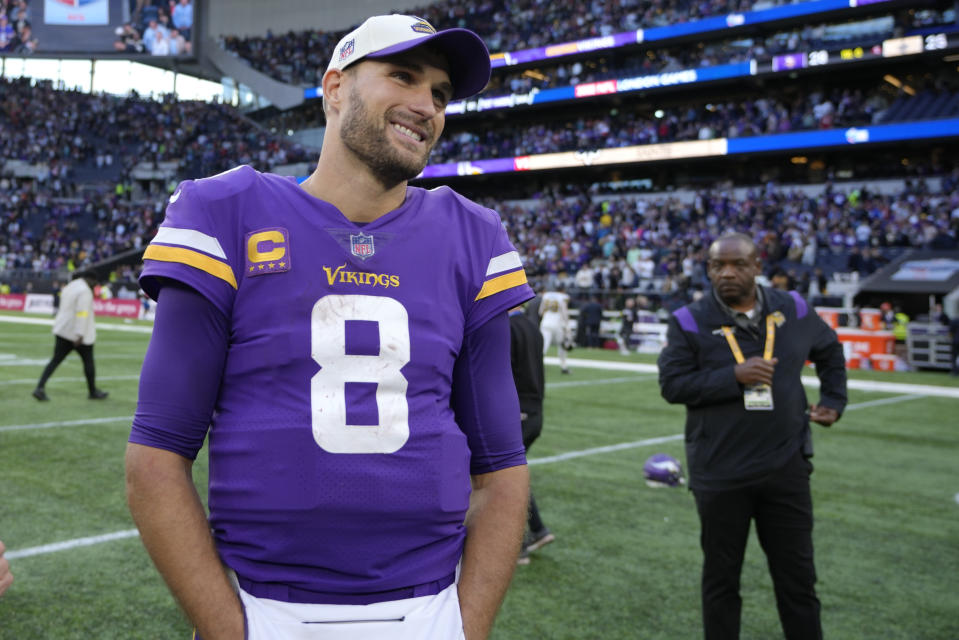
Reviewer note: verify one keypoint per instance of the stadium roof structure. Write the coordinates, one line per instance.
(928, 272)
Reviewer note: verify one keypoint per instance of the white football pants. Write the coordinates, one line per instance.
(435, 617)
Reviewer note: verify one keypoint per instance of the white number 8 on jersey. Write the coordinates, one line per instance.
(328, 386)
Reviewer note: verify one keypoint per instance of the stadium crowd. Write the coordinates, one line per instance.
(653, 244)
(658, 244)
(661, 60)
(69, 188)
(506, 25)
(44, 233)
(815, 109)
(511, 25)
(60, 130)
(61, 216)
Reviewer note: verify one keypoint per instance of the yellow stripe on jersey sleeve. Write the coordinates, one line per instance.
(502, 283)
(191, 258)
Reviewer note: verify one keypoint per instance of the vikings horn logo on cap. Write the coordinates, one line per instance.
(423, 27)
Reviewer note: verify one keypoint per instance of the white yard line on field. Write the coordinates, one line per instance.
(55, 381)
(570, 455)
(588, 383)
(883, 401)
(65, 423)
(71, 544)
(78, 423)
(809, 381)
(644, 443)
(105, 326)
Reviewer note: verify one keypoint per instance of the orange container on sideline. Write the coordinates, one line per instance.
(866, 343)
(870, 319)
(883, 361)
(829, 316)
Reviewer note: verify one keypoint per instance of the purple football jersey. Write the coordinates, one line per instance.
(336, 465)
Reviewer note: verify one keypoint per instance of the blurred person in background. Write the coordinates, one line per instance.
(74, 329)
(629, 318)
(954, 331)
(591, 315)
(554, 323)
(526, 359)
(183, 17)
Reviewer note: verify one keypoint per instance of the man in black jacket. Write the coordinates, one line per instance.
(734, 358)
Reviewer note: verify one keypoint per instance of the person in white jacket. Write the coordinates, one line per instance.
(74, 329)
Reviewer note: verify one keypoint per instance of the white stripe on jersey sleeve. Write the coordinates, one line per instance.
(192, 239)
(504, 262)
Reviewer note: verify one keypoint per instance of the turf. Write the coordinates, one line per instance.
(626, 560)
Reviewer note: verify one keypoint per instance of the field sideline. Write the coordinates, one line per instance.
(626, 560)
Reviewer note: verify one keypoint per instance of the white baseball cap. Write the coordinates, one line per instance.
(382, 36)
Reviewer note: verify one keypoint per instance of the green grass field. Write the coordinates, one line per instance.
(626, 561)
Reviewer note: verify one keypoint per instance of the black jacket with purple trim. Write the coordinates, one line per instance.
(726, 445)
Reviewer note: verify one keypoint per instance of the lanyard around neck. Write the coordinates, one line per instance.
(770, 340)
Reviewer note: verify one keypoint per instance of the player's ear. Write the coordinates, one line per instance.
(333, 89)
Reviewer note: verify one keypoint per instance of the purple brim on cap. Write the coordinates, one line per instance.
(466, 52)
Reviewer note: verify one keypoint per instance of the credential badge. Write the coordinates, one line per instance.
(361, 245)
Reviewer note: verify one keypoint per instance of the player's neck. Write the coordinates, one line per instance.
(357, 194)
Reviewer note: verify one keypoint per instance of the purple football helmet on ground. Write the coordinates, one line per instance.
(662, 470)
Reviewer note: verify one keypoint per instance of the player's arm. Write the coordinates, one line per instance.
(487, 409)
(494, 531)
(827, 354)
(178, 388)
(173, 526)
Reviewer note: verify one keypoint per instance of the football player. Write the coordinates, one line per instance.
(345, 342)
(554, 323)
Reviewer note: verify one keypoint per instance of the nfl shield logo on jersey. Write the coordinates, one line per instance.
(361, 245)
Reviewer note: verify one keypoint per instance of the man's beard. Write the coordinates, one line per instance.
(733, 294)
(362, 135)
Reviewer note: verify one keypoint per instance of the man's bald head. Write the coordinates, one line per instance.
(735, 237)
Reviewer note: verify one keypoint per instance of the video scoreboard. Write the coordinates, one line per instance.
(891, 48)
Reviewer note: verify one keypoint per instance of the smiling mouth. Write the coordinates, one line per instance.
(406, 131)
